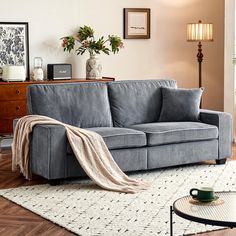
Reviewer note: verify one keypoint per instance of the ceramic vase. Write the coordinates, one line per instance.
(93, 67)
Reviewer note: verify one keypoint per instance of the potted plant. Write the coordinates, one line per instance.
(86, 42)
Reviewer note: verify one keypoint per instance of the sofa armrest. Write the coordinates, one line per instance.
(14, 123)
(223, 121)
(48, 151)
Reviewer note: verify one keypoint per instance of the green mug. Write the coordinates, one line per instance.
(203, 194)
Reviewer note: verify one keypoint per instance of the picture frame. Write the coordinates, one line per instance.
(137, 23)
(14, 45)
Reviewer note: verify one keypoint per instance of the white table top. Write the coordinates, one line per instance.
(222, 214)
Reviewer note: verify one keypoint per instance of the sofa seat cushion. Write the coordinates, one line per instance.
(117, 138)
(176, 132)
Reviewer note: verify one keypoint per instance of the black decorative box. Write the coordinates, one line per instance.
(59, 71)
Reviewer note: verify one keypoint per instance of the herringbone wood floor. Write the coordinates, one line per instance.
(17, 221)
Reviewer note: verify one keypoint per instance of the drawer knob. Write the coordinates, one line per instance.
(17, 108)
(18, 91)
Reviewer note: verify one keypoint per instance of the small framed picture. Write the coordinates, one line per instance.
(14, 45)
(137, 23)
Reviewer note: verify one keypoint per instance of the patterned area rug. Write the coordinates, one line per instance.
(87, 210)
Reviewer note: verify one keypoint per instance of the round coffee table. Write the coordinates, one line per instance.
(220, 213)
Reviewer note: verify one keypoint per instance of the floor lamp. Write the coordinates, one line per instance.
(198, 32)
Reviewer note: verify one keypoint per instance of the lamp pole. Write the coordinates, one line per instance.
(200, 59)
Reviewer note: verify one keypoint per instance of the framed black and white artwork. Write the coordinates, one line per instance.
(137, 23)
(14, 45)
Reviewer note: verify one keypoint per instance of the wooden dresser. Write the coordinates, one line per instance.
(13, 100)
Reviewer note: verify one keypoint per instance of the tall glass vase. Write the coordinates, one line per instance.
(93, 67)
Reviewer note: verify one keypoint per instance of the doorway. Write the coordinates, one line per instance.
(229, 66)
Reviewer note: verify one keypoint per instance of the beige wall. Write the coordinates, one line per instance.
(165, 55)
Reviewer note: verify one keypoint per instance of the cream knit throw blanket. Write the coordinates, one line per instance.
(89, 149)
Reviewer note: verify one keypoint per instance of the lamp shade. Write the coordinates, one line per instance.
(199, 32)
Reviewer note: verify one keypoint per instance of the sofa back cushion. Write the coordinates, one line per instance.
(136, 101)
(80, 104)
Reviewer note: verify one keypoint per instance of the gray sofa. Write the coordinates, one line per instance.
(125, 114)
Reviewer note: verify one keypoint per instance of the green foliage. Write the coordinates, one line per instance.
(86, 41)
(115, 43)
(68, 43)
(85, 32)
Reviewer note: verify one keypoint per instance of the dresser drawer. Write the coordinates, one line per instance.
(13, 92)
(6, 126)
(12, 109)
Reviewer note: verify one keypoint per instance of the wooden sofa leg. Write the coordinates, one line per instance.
(54, 182)
(220, 161)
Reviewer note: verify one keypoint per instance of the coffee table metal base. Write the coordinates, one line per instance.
(171, 221)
